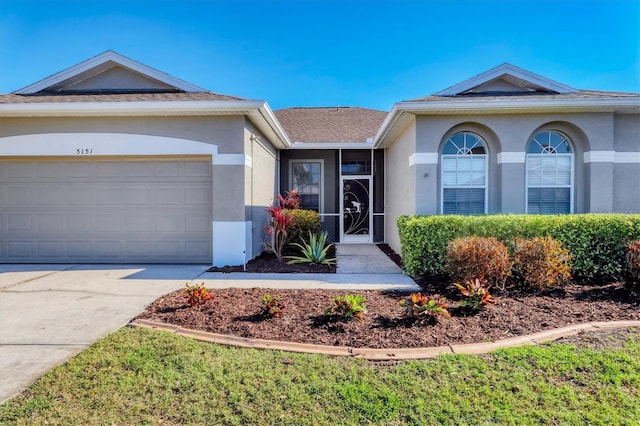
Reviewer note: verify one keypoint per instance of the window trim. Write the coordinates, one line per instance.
(320, 188)
(486, 170)
(572, 154)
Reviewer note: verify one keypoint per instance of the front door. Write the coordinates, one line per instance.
(356, 210)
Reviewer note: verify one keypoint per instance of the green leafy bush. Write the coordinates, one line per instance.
(632, 266)
(597, 242)
(314, 251)
(348, 306)
(541, 262)
(302, 223)
(483, 258)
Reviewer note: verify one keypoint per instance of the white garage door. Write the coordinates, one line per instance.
(112, 210)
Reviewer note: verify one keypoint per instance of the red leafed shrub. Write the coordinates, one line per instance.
(197, 294)
(279, 223)
(419, 305)
(476, 294)
(482, 258)
(273, 305)
(541, 262)
(632, 267)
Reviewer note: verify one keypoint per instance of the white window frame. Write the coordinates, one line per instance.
(320, 188)
(486, 170)
(572, 171)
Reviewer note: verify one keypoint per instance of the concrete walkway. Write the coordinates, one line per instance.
(363, 259)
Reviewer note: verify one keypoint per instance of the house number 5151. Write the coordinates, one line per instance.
(84, 151)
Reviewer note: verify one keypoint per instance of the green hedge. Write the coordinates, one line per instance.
(304, 221)
(596, 241)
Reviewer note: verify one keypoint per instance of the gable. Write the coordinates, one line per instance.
(507, 79)
(113, 79)
(108, 72)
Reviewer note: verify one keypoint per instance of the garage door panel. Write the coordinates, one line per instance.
(20, 249)
(20, 223)
(108, 169)
(80, 250)
(48, 195)
(52, 250)
(197, 169)
(50, 223)
(111, 211)
(17, 195)
(138, 195)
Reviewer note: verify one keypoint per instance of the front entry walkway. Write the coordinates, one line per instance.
(363, 259)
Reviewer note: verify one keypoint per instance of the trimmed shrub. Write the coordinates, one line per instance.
(482, 258)
(303, 222)
(541, 262)
(632, 267)
(597, 242)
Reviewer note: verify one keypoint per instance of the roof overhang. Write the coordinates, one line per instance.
(258, 112)
(332, 145)
(403, 112)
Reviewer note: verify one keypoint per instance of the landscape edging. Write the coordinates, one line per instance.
(386, 354)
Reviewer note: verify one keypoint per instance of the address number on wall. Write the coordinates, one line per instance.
(84, 151)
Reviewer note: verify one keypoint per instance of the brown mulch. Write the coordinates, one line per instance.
(267, 262)
(239, 312)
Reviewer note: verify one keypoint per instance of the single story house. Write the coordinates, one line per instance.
(112, 161)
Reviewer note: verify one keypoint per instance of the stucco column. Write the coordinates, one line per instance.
(230, 233)
(599, 183)
(513, 180)
(427, 197)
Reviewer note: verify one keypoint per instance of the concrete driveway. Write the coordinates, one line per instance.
(49, 313)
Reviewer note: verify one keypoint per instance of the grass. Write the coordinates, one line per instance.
(140, 376)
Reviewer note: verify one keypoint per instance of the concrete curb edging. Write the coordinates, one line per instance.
(375, 354)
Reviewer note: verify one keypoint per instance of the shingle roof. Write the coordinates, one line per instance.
(117, 97)
(581, 94)
(330, 124)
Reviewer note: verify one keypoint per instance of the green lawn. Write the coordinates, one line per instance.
(140, 376)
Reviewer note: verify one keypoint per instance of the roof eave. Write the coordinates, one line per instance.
(258, 112)
(400, 109)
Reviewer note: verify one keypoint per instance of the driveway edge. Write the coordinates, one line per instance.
(389, 354)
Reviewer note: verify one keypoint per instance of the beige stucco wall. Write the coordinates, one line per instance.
(626, 176)
(225, 132)
(511, 133)
(260, 183)
(402, 183)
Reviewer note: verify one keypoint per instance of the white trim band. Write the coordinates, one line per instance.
(423, 158)
(101, 144)
(599, 156)
(627, 157)
(511, 157)
(232, 160)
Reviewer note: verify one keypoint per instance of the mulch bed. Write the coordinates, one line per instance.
(267, 262)
(239, 312)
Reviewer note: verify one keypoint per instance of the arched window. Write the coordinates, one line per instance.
(464, 174)
(549, 174)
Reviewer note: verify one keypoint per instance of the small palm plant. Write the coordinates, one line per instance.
(314, 251)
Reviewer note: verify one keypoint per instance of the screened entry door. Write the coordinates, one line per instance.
(356, 210)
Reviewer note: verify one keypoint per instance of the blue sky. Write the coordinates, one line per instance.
(326, 52)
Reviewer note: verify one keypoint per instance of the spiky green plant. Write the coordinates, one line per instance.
(313, 251)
